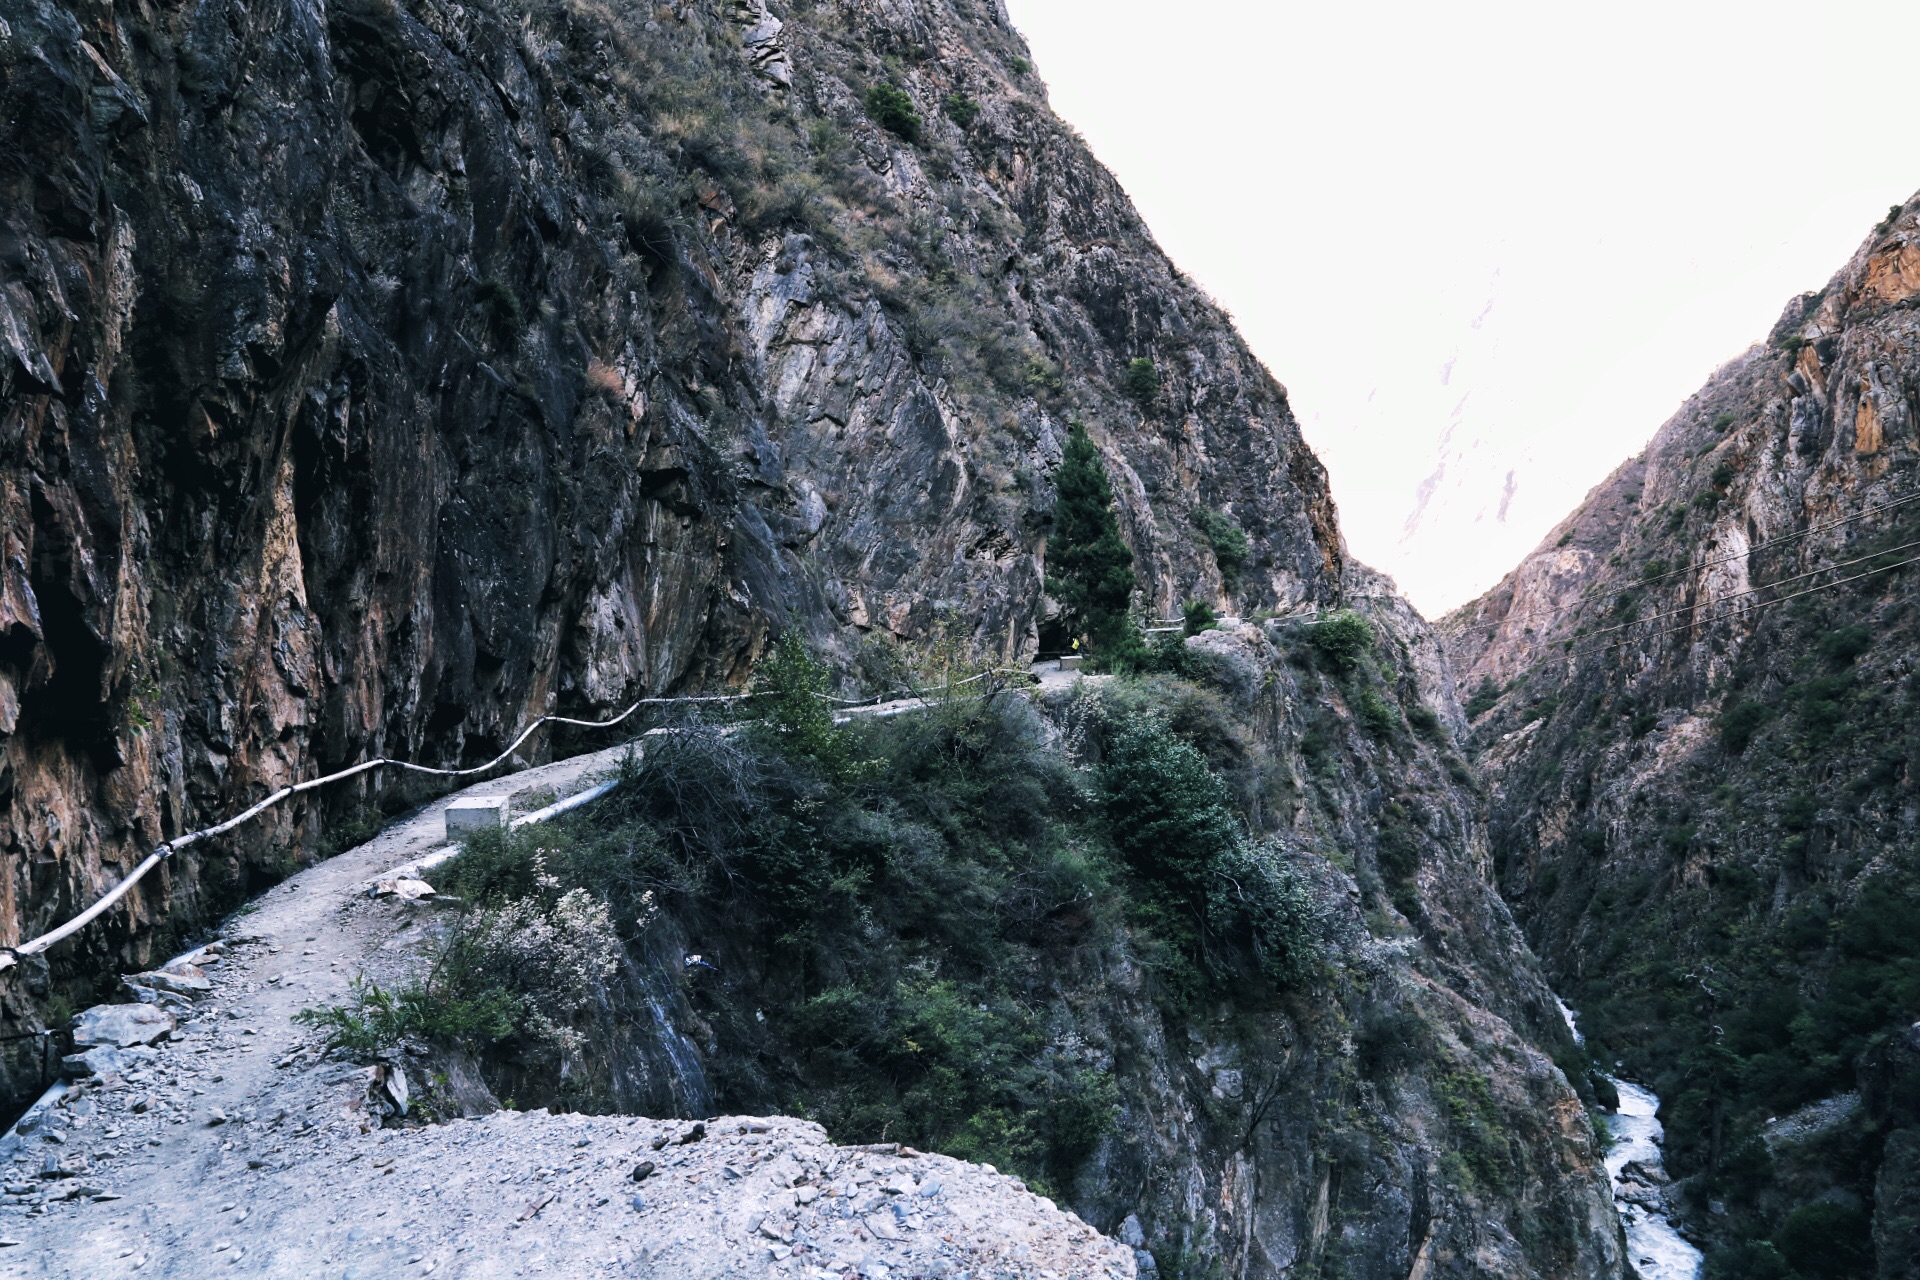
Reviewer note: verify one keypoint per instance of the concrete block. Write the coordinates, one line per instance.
(1071, 662)
(475, 813)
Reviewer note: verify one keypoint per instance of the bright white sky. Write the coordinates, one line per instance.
(1486, 237)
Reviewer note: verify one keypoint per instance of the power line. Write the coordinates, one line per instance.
(1757, 604)
(1693, 568)
(1765, 586)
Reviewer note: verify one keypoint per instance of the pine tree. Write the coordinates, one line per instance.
(1092, 569)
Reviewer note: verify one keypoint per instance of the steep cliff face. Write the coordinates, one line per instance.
(379, 375)
(1697, 710)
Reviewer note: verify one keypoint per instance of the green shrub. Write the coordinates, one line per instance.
(893, 111)
(1042, 380)
(1255, 895)
(790, 687)
(1840, 647)
(1480, 1141)
(1343, 640)
(526, 966)
(375, 1020)
(1376, 714)
(961, 109)
(1723, 475)
(1140, 382)
(501, 306)
(1749, 1260)
(1390, 1042)
(1196, 616)
(1723, 421)
(1826, 1241)
(1739, 723)
(1484, 695)
(1171, 817)
(1228, 541)
(1425, 721)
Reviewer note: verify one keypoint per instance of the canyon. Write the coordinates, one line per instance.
(382, 375)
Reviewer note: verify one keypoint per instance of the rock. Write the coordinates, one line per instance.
(643, 1171)
(107, 1065)
(694, 1134)
(406, 889)
(122, 1025)
(216, 1117)
(189, 984)
(1130, 1233)
(1652, 1174)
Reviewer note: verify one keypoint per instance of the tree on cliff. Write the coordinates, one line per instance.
(1091, 569)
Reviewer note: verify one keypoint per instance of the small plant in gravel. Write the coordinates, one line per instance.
(524, 967)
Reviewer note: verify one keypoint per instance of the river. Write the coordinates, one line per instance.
(1657, 1251)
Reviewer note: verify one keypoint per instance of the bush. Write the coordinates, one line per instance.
(1196, 616)
(1840, 647)
(502, 307)
(893, 111)
(1140, 382)
(1826, 1241)
(1257, 896)
(1425, 721)
(1484, 695)
(961, 109)
(1228, 542)
(1170, 815)
(527, 966)
(1342, 640)
(1723, 421)
(1739, 723)
(1376, 715)
(1751, 1260)
(790, 698)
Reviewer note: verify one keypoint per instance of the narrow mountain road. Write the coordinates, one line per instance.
(237, 1147)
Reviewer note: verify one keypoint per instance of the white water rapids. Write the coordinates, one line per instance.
(1655, 1249)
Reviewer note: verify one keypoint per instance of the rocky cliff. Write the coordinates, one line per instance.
(1695, 707)
(380, 375)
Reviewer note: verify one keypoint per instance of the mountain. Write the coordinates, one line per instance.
(1694, 706)
(381, 375)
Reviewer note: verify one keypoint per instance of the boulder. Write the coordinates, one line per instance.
(120, 1026)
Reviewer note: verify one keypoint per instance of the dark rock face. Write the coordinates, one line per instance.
(378, 376)
(1703, 767)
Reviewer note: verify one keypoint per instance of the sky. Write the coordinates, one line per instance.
(1489, 247)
